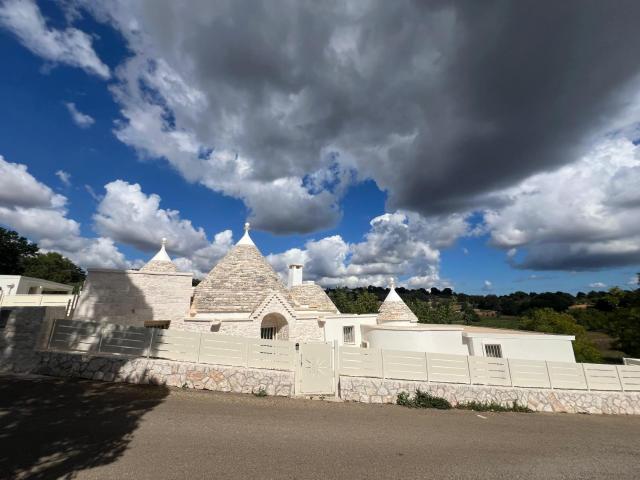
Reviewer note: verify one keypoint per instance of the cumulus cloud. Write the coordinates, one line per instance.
(585, 215)
(31, 208)
(65, 177)
(399, 244)
(70, 46)
(80, 119)
(441, 104)
(126, 214)
(487, 286)
(597, 285)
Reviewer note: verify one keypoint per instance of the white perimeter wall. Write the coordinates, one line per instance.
(526, 347)
(433, 341)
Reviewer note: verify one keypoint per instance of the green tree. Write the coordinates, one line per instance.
(54, 267)
(366, 302)
(549, 321)
(14, 250)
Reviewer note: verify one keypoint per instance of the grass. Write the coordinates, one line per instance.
(426, 400)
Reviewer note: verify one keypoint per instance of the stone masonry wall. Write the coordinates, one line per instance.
(377, 390)
(165, 372)
(133, 297)
(21, 333)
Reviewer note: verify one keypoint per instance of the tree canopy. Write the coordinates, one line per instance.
(19, 256)
(14, 252)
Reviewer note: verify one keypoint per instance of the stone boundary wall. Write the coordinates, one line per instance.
(164, 372)
(378, 390)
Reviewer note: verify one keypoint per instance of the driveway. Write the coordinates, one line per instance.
(52, 428)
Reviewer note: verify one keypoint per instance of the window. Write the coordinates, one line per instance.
(348, 335)
(268, 333)
(494, 351)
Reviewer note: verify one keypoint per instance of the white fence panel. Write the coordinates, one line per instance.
(567, 375)
(448, 368)
(223, 349)
(631, 361)
(529, 373)
(75, 336)
(272, 354)
(629, 377)
(602, 377)
(123, 340)
(404, 365)
(360, 362)
(175, 345)
(489, 371)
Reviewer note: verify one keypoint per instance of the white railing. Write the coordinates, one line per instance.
(443, 368)
(631, 361)
(25, 300)
(211, 348)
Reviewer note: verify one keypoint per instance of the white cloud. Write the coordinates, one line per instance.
(18, 188)
(92, 193)
(70, 46)
(597, 285)
(32, 209)
(80, 119)
(487, 286)
(65, 177)
(126, 214)
(398, 244)
(585, 215)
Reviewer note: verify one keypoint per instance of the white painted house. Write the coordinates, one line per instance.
(244, 296)
(21, 285)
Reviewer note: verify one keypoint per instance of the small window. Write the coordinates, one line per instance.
(494, 351)
(348, 335)
(268, 333)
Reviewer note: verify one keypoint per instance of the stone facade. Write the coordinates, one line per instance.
(163, 372)
(132, 297)
(377, 390)
(238, 283)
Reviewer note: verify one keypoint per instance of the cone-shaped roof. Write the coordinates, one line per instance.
(161, 261)
(239, 282)
(393, 309)
(312, 296)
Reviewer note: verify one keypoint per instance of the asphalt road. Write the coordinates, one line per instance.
(51, 428)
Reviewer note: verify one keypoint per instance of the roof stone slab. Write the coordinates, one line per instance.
(238, 283)
(312, 296)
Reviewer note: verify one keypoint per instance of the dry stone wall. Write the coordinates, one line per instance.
(377, 390)
(163, 372)
(132, 297)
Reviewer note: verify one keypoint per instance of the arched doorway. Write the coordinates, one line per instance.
(274, 327)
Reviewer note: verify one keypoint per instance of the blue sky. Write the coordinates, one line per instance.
(327, 178)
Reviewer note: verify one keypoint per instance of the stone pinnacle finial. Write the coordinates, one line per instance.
(247, 226)
(164, 241)
(392, 283)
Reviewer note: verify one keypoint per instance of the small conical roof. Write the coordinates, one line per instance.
(393, 309)
(161, 261)
(239, 282)
(312, 296)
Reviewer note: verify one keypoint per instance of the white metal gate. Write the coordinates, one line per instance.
(316, 369)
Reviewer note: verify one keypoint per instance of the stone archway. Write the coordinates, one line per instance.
(274, 327)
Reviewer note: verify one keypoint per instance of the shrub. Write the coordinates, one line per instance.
(422, 400)
(493, 407)
(261, 392)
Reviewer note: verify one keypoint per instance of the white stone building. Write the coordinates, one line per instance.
(244, 296)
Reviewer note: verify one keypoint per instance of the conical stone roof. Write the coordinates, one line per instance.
(161, 262)
(312, 296)
(393, 309)
(239, 282)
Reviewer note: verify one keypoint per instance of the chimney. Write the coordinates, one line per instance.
(295, 275)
